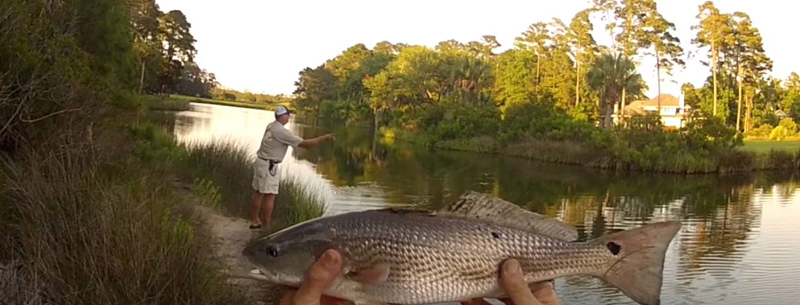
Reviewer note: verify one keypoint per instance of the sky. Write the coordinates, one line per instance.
(261, 46)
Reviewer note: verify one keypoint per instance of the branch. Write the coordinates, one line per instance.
(49, 115)
(11, 119)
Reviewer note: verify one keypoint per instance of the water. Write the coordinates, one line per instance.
(740, 241)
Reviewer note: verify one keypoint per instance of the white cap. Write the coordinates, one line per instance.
(281, 110)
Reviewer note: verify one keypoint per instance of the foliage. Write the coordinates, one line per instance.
(140, 244)
(207, 191)
(786, 128)
(161, 102)
(614, 77)
(226, 169)
(762, 131)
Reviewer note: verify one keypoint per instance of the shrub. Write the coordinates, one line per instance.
(762, 131)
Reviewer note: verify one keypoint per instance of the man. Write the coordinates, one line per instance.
(266, 175)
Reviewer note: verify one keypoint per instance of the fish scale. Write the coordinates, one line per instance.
(421, 257)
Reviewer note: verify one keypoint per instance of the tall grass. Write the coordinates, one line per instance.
(296, 203)
(229, 167)
(105, 231)
(225, 165)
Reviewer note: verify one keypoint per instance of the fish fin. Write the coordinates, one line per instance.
(638, 269)
(495, 210)
(373, 275)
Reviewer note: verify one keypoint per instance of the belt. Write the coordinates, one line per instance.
(270, 160)
(272, 164)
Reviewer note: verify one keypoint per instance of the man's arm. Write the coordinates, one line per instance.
(309, 143)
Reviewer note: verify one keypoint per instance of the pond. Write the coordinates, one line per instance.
(739, 244)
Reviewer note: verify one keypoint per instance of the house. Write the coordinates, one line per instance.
(780, 114)
(673, 110)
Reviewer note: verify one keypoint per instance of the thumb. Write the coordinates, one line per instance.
(321, 274)
(513, 283)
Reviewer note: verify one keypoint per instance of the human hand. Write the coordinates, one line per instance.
(319, 276)
(519, 292)
(330, 137)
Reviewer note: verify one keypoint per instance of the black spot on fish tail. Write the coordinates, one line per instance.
(614, 247)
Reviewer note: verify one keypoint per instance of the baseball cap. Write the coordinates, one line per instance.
(281, 110)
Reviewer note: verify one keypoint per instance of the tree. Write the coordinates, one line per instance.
(514, 78)
(790, 101)
(609, 76)
(631, 16)
(747, 57)
(196, 82)
(666, 47)
(713, 32)
(179, 47)
(315, 86)
(536, 39)
(145, 16)
(583, 45)
(643, 27)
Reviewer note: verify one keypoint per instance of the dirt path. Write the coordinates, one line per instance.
(231, 234)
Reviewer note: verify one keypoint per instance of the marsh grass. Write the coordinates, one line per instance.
(228, 168)
(296, 203)
(105, 231)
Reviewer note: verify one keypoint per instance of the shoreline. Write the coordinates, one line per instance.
(762, 161)
(181, 103)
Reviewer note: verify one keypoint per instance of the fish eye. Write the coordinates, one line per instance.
(272, 251)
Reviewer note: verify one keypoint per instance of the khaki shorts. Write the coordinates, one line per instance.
(264, 181)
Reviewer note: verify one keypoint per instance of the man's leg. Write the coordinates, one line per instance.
(270, 198)
(255, 206)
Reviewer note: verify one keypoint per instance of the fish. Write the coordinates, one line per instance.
(454, 254)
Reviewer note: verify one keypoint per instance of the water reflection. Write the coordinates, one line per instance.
(739, 243)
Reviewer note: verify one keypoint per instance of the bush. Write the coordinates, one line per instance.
(786, 128)
(540, 119)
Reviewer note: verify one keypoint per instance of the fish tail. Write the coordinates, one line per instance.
(638, 264)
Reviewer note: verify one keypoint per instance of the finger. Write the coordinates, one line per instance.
(507, 301)
(514, 284)
(328, 300)
(320, 275)
(288, 297)
(476, 301)
(545, 292)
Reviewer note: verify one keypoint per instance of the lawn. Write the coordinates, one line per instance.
(226, 103)
(766, 146)
(178, 102)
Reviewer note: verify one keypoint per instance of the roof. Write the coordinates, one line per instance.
(667, 100)
(634, 108)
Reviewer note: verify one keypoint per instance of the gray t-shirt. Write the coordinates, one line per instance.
(276, 141)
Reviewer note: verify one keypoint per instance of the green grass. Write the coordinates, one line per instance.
(111, 226)
(104, 227)
(767, 146)
(226, 103)
(170, 103)
(228, 169)
(176, 102)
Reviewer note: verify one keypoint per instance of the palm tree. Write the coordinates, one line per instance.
(612, 77)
